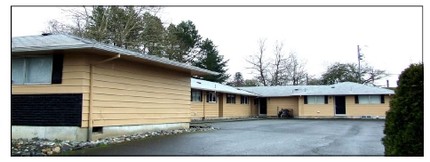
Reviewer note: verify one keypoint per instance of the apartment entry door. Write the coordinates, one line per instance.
(263, 107)
(340, 105)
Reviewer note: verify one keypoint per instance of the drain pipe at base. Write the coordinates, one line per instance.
(90, 107)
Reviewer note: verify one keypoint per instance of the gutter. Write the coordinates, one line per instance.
(90, 107)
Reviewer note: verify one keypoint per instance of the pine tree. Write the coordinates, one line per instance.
(238, 80)
(209, 58)
(404, 125)
(152, 35)
(182, 41)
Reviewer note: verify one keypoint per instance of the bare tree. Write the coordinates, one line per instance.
(259, 64)
(296, 70)
(369, 74)
(284, 70)
(279, 66)
(56, 27)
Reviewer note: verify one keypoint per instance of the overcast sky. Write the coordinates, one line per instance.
(390, 37)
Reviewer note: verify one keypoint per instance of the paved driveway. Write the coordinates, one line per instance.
(262, 137)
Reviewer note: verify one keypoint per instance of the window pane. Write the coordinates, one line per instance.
(311, 100)
(17, 70)
(375, 99)
(39, 70)
(211, 97)
(196, 96)
(320, 99)
(316, 100)
(231, 98)
(363, 99)
(243, 100)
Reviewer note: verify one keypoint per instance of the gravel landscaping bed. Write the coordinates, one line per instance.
(44, 147)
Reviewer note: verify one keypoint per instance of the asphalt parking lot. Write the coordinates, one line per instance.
(268, 137)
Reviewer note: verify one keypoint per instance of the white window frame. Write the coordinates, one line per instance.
(211, 97)
(316, 100)
(369, 99)
(244, 100)
(194, 96)
(26, 73)
(231, 99)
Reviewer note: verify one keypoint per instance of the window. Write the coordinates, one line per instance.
(256, 101)
(231, 98)
(243, 99)
(369, 99)
(316, 100)
(32, 70)
(196, 96)
(211, 97)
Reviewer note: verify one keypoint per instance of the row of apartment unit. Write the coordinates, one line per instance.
(66, 87)
(352, 100)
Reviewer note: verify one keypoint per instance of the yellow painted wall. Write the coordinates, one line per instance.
(254, 107)
(75, 80)
(197, 108)
(129, 93)
(275, 104)
(236, 110)
(353, 109)
(211, 109)
(223, 109)
(125, 92)
(220, 100)
(323, 110)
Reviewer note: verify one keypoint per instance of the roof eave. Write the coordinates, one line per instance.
(98, 46)
(207, 89)
(49, 48)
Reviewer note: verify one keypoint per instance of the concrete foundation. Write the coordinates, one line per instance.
(51, 132)
(80, 134)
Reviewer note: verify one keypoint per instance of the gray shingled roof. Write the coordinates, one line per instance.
(217, 87)
(63, 41)
(346, 88)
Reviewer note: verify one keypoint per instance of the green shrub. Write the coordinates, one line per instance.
(404, 124)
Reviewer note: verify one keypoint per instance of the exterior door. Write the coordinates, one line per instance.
(340, 105)
(263, 106)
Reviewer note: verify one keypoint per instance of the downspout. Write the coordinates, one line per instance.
(90, 107)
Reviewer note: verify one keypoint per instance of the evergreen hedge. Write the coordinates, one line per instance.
(404, 124)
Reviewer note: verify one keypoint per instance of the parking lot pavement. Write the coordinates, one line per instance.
(261, 137)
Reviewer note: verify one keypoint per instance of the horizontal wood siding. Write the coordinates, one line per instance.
(236, 110)
(196, 109)
(128, 93)
(254, 107)
(75, 80)
(316, 109)
(211, 109)
(274, 105)
(353, 109)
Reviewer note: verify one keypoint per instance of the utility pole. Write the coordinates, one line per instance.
(360, 57)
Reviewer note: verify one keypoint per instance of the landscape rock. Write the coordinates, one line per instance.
(56, 149)
(45, 147)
